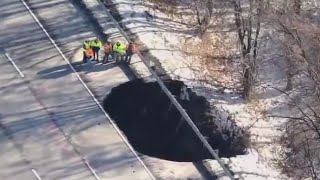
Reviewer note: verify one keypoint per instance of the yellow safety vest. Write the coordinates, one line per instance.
(115, 48)
(86, 45)
(120, 49)
(96, 44)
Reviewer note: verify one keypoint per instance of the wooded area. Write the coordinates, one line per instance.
(292, 25)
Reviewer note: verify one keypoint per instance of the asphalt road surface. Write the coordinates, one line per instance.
(50, 126)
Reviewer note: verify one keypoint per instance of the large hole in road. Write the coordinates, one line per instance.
(154, 127)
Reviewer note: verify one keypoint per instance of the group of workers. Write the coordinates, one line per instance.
(117, 50)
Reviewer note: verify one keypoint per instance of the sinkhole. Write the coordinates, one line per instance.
(154, 127)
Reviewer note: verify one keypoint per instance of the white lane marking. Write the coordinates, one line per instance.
(14, 65)
(91, 94)
(90, 167)
(36, 174)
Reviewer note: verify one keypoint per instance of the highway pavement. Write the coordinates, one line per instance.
(50, 126)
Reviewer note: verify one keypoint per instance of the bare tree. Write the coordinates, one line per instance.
(297, 6)
(301, 44)
(301, 139)
(248, 23)
(203, 11)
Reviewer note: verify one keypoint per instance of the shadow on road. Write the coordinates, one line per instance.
(64, 70)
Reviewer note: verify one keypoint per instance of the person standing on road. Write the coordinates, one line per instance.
(89, 54)
(130, 50)
(85, 47)
(107, 51)
(96, 44)
(119, 51)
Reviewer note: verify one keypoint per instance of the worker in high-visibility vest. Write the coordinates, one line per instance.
(107, 51)
(89, 54)
(96, 44)
(85, 47)
(119, 50)
(130, 50)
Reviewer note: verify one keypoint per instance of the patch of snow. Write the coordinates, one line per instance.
(164, 37)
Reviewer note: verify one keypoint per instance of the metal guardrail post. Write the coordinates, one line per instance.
(171, 97)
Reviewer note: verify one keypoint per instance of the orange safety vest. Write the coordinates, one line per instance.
(107, 47)
(89, 52)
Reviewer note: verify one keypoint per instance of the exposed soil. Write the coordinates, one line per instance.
(152, 125)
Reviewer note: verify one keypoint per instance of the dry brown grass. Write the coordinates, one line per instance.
(213, 60)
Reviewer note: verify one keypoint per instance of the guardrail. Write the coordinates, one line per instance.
(171, 97)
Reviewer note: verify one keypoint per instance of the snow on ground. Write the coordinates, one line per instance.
(164, 37)
(161, 36)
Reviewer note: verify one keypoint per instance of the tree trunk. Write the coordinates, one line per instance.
(297, 6)
(248, 32)
(289, 73)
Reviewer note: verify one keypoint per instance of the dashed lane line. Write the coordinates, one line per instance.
(14, 65)
(36, 174)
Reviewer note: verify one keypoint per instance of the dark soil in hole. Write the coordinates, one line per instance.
(143, 113)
